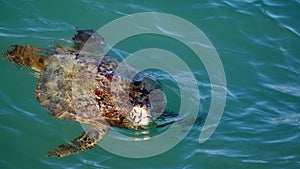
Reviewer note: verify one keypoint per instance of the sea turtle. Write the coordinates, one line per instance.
(74, 84)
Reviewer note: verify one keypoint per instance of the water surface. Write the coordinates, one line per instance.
(258, 44)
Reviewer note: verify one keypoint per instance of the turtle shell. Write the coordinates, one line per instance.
(87, 90)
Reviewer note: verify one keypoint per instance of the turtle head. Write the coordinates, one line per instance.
(141, 114)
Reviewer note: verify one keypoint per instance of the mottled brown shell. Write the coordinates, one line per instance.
(79, 88)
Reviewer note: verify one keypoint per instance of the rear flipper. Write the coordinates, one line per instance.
(86, 141)
(29, 56)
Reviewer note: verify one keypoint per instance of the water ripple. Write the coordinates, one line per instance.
(291, 29)
(290, 89)
(290, 118)
(255, 161)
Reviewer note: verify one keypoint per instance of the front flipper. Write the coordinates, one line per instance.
(86, 141)
(88, 40)
(29, 56)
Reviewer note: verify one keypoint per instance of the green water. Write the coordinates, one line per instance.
(258, 42)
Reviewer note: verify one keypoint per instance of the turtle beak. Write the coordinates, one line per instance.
(141, 115)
